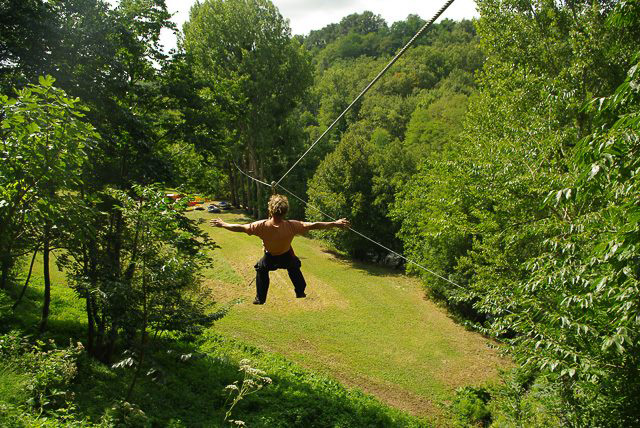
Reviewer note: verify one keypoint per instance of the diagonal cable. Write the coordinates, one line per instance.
(426, 269)
(373, 241)
(253, 178)
(366, 89)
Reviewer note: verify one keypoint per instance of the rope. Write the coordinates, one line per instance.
(366, 89)
(426, 269)
(253, 178)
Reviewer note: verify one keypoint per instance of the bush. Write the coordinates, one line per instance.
(46, 370)
(470, 406)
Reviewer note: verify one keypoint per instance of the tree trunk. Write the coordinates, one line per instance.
(90, 267)
(254, 202)
(110, 344)
(261, 194)
(90, 324)
(26, 282)
(99, 342)
(143, 335)
(6, 266)
(233, 183)
(47, 279)
(252, 188)
(245, 199)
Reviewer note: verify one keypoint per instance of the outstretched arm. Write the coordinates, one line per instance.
(343, 223)
(218, 222)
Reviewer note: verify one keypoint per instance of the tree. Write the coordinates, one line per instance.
(25, 41)
(44, 146)
(246, 46)
(577, 316)
(516, 213)
(350, 183)
(153, 283)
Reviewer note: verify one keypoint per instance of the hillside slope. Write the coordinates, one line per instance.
(368, 327)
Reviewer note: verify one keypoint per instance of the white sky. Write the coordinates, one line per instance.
(307, 15)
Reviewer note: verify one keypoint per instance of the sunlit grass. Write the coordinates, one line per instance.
(190, 391)
(67, 313)
(365, 325)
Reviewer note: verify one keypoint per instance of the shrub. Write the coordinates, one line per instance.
(46, 370)
(470, 406)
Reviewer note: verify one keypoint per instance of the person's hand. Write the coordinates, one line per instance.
(217, 222)
(343, 223)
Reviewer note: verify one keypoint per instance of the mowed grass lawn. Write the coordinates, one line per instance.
(366, 326)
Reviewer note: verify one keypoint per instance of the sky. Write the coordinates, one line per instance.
(307, 15)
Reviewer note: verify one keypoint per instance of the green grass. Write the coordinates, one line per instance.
(367, 326)
(362, 326)
(67, 315)
(189, 392)
(12, 384)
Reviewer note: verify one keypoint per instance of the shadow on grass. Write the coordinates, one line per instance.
(189, 390)
(63, 322)
(370, 268)
(182, 383)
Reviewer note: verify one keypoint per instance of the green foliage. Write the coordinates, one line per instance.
(153, 280)
(254, 380)
(416, 112)
(589, 270)
(126, 414)
(533, 212)
(246, 48)
(343, 186)
(299, 398)
(367, 34)
(470, 406)
(526, 399)
(44, 144)
(44, 370)
(23, 31)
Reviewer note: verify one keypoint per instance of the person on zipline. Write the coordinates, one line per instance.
(276, 234)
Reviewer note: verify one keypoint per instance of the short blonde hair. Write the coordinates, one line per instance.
(278, 206)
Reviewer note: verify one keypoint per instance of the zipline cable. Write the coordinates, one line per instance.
(426, 269)
(253, 178)
(366, 89)
(375, 242)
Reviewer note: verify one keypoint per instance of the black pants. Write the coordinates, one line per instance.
(287, 261)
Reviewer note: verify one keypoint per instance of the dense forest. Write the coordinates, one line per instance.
(501, 153)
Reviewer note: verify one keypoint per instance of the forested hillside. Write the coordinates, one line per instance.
(500, 153)
(507, 162)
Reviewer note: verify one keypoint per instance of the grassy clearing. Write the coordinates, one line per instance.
(67, 316)
(189, 390)
(367, 326)
(362, 325)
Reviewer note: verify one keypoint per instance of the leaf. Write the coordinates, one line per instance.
(46, 81)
